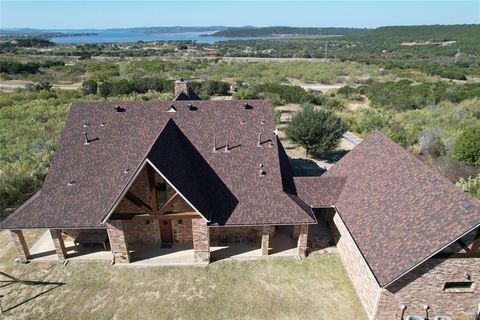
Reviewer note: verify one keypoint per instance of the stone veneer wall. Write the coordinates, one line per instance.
(216, 233)
(182, 230)
(142, 230)
(146, 230)
(301, 231)
(424, 286)
(362, 278)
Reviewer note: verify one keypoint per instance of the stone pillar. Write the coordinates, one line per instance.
(201, 240)
(20, 244)
(302, 239)
(118, 242)
(58, 243)
(181, 86)
(266, 240)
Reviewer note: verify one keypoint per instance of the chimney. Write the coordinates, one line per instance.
(181, 86)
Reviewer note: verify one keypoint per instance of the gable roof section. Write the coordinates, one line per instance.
(319, 191)
(181, 164)
(182, 96)
(121, 139)
(411, 211)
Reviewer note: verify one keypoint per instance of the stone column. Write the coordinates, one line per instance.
(58, 243)
(201, 240)
(265, 240)
(302, 239)
(20, 244)
(118, 242)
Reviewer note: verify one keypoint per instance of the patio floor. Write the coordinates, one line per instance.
(44, 250)
(282, 244)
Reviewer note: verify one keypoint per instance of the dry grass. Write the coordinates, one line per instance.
(315, 288)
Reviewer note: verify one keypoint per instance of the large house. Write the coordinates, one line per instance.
(184, 180)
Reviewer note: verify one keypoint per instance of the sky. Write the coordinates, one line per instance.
(70, 14)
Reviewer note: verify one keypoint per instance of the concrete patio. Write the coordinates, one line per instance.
(282, 244)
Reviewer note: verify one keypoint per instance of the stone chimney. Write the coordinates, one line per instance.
(181, 86)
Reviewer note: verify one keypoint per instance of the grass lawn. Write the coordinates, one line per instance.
(314, 288)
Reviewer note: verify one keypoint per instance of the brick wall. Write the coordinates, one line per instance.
(362, 278)
(118, 243)
(201, 240)
(424, 286)
(302, 231)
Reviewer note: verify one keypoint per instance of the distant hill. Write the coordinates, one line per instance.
(287, 32)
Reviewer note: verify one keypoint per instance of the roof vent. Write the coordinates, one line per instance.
(85, 124)
(191, 107)
(102, 124)
(214, 144)
(247, 106)
(243, 121)
(467, 205)
(226, 146)
(172, 109)
(433, 179)
(262, 173)
(86, 141)
(259, 142)
(126, 170)
(262, 122)
(70, 183)
(119, 109)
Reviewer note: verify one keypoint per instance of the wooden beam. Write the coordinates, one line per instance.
(152, 187)
(137, 201)
(463, 245)
(476, 242)
(169, 202)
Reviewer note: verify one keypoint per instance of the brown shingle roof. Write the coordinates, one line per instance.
(398, 210)
(119, 142)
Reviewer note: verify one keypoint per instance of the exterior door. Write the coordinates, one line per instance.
(166, 230)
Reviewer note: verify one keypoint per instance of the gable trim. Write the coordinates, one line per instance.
(124, 191)
(173, 186)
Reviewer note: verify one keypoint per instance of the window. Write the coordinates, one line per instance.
(161, 189)
(459, 286)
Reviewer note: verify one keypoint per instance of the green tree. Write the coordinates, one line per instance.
(105, 89)
(89, 86)
(318, 131)
(467, 146)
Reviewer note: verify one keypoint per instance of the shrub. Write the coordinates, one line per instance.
(431, 143)
(89, 86)
(318, 131)
(470, 185)
(467, 147)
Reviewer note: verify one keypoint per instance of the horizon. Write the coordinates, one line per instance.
(125, 14)
(227, 26)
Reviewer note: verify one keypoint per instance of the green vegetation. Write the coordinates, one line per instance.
(279, 94)
(317, 130)
(13, 67)
(393, 81)
(406, 95)
(470, 185)
(467, 146)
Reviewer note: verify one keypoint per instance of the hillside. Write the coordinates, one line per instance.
(286, 31)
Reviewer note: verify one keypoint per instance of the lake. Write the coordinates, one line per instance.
(134, 36)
